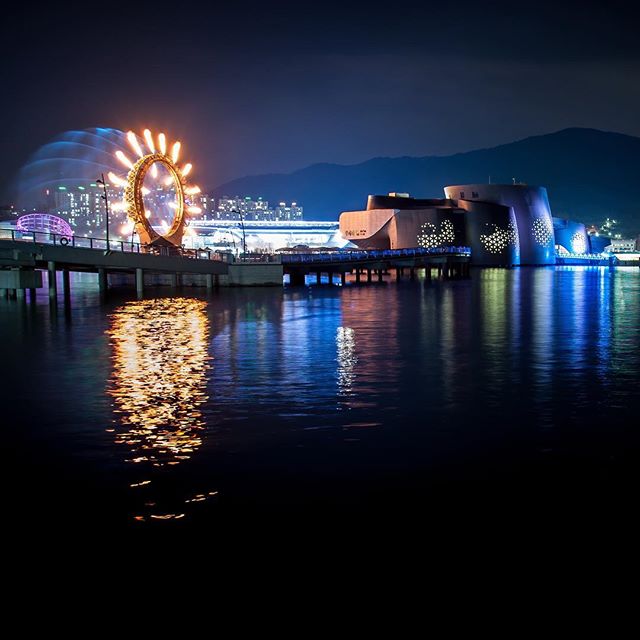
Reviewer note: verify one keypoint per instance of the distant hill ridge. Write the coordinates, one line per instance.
(589, 174)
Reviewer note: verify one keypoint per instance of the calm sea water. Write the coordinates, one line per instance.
(514, 391)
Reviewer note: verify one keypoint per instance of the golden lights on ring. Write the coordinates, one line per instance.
(499, 239)
(430, 237)
(138, 150)
(151, 151)
(135, 145)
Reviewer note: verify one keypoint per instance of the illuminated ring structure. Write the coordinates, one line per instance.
(134, 199)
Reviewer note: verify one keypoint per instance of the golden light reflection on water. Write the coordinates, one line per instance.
(160, 363)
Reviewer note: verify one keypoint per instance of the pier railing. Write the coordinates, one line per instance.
(583, 256)
(102, 244)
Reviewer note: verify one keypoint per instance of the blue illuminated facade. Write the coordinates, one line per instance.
(571, 236)
(525, 206)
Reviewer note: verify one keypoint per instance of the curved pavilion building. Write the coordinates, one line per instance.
(397, 221)
(504, 225)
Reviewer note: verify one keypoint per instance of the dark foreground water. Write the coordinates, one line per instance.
(513, 393)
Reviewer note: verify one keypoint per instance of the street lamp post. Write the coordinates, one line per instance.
(233, 240)
(244, 237)
(106, 204)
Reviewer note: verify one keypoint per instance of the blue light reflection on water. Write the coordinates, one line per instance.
(333, 393)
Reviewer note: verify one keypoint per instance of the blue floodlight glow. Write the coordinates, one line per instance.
(71, 160)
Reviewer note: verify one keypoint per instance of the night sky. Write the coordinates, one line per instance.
(270, 87)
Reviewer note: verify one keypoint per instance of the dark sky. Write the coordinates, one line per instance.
(268, 87)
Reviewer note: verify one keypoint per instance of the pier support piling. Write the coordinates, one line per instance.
(66, 284)
(102, 281)
(53, 285)
(139, 281)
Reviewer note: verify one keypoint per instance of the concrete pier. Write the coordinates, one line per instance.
(367, 264)
(18, 256)
(15, 282)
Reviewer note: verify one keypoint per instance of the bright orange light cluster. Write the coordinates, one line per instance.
(147, 162)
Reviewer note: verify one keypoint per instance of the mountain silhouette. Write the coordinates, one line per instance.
(589, 175)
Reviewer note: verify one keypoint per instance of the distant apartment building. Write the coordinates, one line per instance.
(206, 203)
(230, 208)
(82, 206)
(246, 208)
(288, 212)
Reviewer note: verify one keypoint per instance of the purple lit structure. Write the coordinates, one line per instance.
(44, 223)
